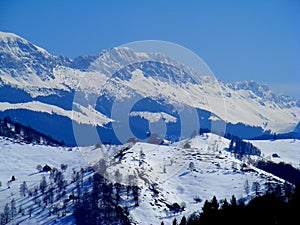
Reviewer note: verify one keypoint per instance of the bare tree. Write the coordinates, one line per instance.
(43, 185)
(164, 169)
(39, 168)
(23, 189)
(6, 214)
(13, 208)
(256, 188)
(247, 187)
(30, 211)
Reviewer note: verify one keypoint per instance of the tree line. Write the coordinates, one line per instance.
(17, 131)
(240, 147)
(268, 209)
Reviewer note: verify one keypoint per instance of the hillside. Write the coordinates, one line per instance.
(186, 173)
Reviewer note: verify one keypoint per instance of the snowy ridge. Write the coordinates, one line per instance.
(82, 115)
(155, 117)
(25, 65)
(264, 92)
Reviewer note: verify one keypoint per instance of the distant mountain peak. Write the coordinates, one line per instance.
(264, 92)
(6, 37)
(250, 85)
(25, 62)
(13, 41)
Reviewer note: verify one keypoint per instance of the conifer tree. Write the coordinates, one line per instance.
(183, 221)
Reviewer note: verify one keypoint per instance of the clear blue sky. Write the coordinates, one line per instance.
(240, 40)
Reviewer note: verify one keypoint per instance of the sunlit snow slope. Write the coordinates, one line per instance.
(35, 84)
(195, 168)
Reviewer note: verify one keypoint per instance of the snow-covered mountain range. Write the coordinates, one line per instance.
(149, 91)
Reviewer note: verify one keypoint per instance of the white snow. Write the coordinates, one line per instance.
(288, 150)
(21, 160)
(213, 118)
(214, 172)
(155, 117)
(231, 102)
(6, 37)
(209, 96)
(82, 116)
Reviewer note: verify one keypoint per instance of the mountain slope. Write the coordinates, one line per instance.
(85, 91)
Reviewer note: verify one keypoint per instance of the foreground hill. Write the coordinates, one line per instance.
(172, 180)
